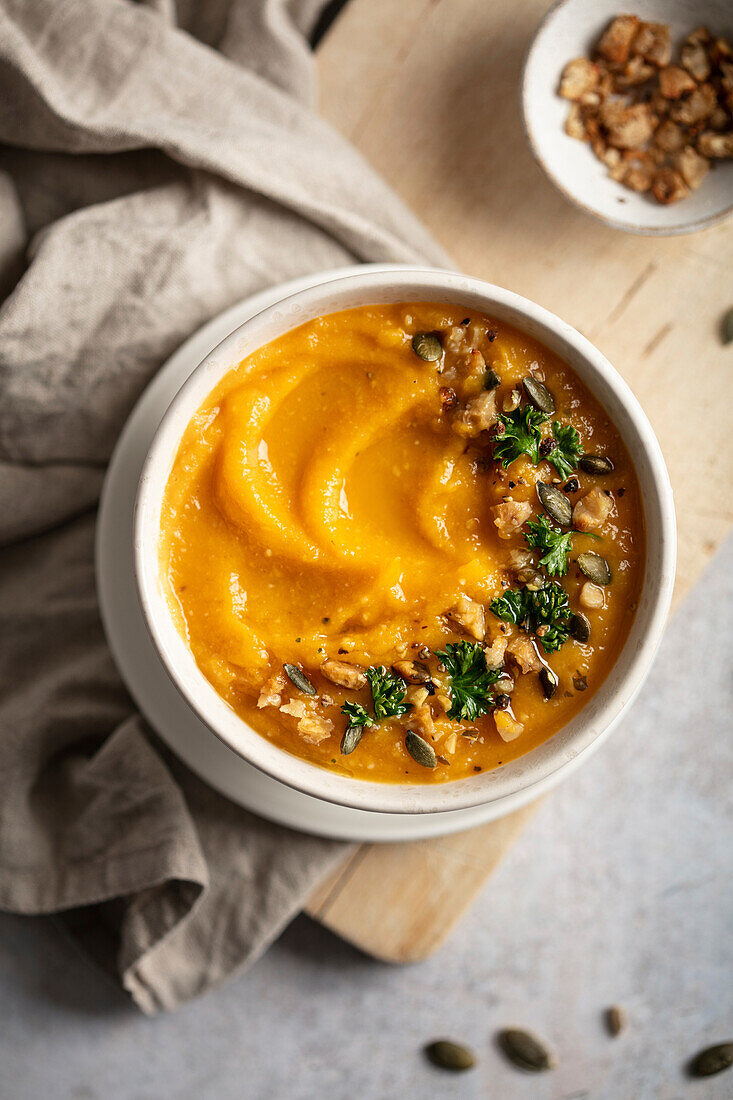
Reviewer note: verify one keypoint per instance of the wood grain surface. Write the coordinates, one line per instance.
(428, 90)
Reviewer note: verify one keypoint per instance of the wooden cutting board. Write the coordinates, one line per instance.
(428, 91)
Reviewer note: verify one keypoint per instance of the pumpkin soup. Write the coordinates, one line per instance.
(403, 542)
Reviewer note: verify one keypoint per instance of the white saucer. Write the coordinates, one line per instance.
(143, 672)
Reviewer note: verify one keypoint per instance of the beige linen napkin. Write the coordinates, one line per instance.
(159, 162)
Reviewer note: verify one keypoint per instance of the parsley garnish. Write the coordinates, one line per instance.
(388, 692)
(521, 435)
(388, 701)
(568, 450)
(552, 542)
(471, 680)
(357, 714)
(548, 607)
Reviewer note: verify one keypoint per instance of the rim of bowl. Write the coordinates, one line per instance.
(677, 230)
(542, 765)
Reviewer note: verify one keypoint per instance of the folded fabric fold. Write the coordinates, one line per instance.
(159, 162)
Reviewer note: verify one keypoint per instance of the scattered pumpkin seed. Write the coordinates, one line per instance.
(539, 394)
(427, 345)
(615, 1020)
(596, 464)
(555, 503)
(549, 681)
(449, 1055)
(352, 737)
(711, 1060)
(727, 327)
(525, 1050)
(579, 627)
(420, 751)
(491, 380)
(298, 677)
(594, 567)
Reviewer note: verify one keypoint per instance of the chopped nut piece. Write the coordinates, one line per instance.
(315, 728)
(699, 105)
(416, 695)
(628, 127)
(653, 43)
(695, 59)
(578, 77)
(692, 167)
(670, 137)
(674, 82)
(478, 415)
(574, 125)
(592, 510)
(414, 672)
(272, 689)
(343, 674)
(715, 145)
(638, 173)
(636, 71)
(495, 652)
(507, 727)
(591, 596)
(615, 43)
(669, 186)
(450, 744)
(420, 719)
(470, 617)
(524, 652)
(510, 515)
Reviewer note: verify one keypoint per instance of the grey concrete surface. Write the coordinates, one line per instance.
(619, 891)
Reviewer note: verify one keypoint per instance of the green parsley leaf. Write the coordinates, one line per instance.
(388, 692)
(357, 714)
(552, 542)
(521, 435)
(565, 456)
(548, 607)
(471, 680)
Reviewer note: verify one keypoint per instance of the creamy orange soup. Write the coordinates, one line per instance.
(403, 542)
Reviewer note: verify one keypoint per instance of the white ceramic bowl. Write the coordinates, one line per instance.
(602, 711)
(571, 29)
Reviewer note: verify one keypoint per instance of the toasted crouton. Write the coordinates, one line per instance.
(691, 166)
(653, 42)
(669, 186)
(674, 82)
(615, 43)
(578, 78)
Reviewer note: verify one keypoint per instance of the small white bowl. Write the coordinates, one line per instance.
(605, 708)
(570, 29)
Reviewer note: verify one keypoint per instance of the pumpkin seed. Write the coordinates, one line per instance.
(427, 345)
(491, 380)
(449, 1055)
(301, 681)
(596, 464)
(615, 1018)
(595, 567)
(352, 737)
(555, 503)
(579, 627)
(711, 1060)
(525, 1050)
(420, 751)
(539, 394)
(549, 681)
(727, 331)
